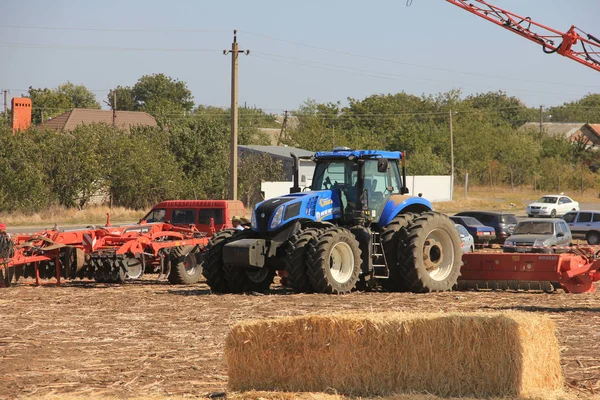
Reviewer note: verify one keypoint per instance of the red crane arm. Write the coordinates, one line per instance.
(551, 40)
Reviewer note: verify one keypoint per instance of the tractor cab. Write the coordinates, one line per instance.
(364, 180)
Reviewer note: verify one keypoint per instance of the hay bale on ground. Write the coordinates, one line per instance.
(479, 354)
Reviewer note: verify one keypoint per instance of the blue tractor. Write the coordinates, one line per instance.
(354, 229)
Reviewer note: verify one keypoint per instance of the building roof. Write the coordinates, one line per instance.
(70, 120)
(556, 128)
(278, 151)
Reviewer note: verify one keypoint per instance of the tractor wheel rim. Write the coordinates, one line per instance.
(438, 254)
(341, 262)
(257, 275)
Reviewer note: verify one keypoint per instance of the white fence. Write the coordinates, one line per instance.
(433, 187)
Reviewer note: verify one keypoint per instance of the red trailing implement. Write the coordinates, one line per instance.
(574, 272)
(107, 254)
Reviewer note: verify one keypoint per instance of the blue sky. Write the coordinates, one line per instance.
(434, 47)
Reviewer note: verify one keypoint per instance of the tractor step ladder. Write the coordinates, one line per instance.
(380, 269)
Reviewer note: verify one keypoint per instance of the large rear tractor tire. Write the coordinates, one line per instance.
(185, 269)
(212, 269)
(432, 254)
(333, 262)
(393, 241)
(295, 260)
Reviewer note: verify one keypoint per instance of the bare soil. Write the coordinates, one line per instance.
(147, 339)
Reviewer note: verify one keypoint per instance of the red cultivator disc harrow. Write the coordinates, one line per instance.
(107, 254)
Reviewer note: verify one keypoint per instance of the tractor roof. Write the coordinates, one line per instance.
(348, 153)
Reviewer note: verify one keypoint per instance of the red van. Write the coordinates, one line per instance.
(197, 212)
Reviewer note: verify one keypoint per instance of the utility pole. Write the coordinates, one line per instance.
(451, 158)
(283, 128)
(234, 114)
(541, 118)
(114, 108)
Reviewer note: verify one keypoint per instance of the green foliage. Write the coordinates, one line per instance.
(52, 102)
(254, 169)
(487, 142)
(157, 94)
(586, 109)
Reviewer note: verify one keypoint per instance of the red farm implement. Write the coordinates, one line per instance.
(574, 272)
(107, 254)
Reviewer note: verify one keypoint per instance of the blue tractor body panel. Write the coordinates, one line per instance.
(397, 203)
(321, 205)
(391, 155)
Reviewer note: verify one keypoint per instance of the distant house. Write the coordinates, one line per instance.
(70, 120)
(282, 153)
(575, 131)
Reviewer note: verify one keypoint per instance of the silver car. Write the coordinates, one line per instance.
(467, 241)
(538, 236)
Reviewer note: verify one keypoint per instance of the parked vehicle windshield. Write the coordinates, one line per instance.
(535, 228)
(570, 217)
(548, 200)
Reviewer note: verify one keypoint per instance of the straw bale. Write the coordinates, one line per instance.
(479, 354)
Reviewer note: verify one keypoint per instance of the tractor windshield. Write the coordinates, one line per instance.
(336, 174)
(342, 174)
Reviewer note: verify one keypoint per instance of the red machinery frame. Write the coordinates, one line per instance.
(551, 40)
(136, 241)
(575, 273)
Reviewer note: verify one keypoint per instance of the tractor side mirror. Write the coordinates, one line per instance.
(382, 165)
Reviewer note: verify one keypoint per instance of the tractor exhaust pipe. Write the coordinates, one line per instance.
(295, 172)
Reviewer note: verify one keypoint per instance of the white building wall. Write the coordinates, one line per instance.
(433, 187)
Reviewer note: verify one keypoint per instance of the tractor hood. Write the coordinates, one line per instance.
(272, 214)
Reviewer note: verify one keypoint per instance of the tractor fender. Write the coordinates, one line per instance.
(400, 203)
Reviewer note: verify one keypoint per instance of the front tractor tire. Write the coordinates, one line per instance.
(185, 269)
(432, 254)
(213, 261)
(333, 262)
(295, 260)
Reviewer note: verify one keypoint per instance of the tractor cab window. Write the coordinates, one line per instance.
(378, 186)
(338, 175)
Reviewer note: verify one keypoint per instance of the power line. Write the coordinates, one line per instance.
(88, 47)
(380, 75)
(410, 64)
(55, 28)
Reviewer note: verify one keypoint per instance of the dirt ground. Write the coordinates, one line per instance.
(152, 339)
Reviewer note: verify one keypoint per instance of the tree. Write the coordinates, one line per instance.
(506, 108)
(52, 102)
(253, 170)
(158, 95)
(586, 109)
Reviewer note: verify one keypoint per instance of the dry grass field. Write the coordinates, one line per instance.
(147, 339)
(151, 340)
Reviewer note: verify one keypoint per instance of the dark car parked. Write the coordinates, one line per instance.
(482, 234)
(503, 223)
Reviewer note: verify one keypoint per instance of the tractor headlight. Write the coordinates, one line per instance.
(253, 221)
(277, 217)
